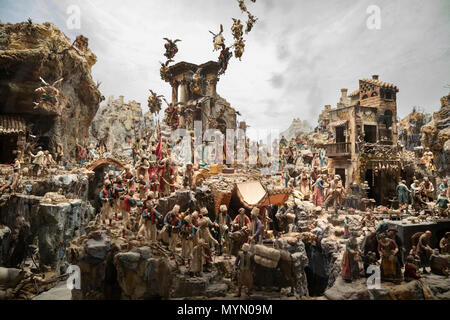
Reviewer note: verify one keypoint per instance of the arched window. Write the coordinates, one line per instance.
(374, 94)
(364, 97)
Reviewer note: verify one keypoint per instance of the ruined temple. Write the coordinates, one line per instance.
(194, 87)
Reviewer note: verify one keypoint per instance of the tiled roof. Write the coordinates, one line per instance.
(354, 93)
(380, 83)
(12, 124)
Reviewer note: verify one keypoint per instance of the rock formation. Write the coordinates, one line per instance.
(410, 129)
(297, 128)
(436, 136)
(43, 222)
(119, 123)
(29, 52)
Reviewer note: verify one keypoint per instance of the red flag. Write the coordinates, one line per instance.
(158, 148)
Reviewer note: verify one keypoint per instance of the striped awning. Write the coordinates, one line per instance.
(12, 124)
(338, 123)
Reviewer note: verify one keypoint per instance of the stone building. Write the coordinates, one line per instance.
(362, 143)
(194, 87)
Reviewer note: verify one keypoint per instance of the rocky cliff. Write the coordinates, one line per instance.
(41, 225)
(436, 136)
(410, 129)
(297, 128)
(59, 110)
(118, 124)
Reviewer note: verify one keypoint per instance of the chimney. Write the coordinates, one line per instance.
(375, 77)
(121, 100)
(344, 93)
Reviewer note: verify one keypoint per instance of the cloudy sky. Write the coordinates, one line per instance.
(297, 58)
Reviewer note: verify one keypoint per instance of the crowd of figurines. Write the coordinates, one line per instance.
(380, 241)
(152, 173)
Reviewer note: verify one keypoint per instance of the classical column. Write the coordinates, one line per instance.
(183, 91)
(174, 92)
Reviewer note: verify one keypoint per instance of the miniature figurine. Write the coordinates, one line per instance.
(369, 247)
(38, 161)
(442, 203)
(410, 272)
(167, 176)
(444, 244)
(173, 223)
(427, 188)
(188, 176)
(224, 58)
(218, 39)
(237, 29)
(187, 234)
(428, 158)
(107, 197)
(392, 234)
(13, 181)
(150, 217)
(423, 250)
(244, 265)
(388, 250)
(250, 22)
(154, 104)
(403, 192)
(256, 227)
(199, 258)
(350, 261)
(223, 222)
(171, 48)
(242, 5)
(127, 203)
(241, 220)
(59, 153)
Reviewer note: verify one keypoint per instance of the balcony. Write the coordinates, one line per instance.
(341, 149)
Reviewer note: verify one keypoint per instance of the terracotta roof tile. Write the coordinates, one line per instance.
(380, 83)
(12, 124)
(354, 93)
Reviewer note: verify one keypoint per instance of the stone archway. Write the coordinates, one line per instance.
(105, 162)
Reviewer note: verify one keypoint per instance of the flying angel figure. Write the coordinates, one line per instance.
(218, 39)
(51, 85)
(164, 71)
(242, 5)
(237, 28)
(48, 94)
(250, 22)
(154, 102)
(171, 48)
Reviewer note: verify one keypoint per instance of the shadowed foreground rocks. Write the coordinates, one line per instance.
(430, 287)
